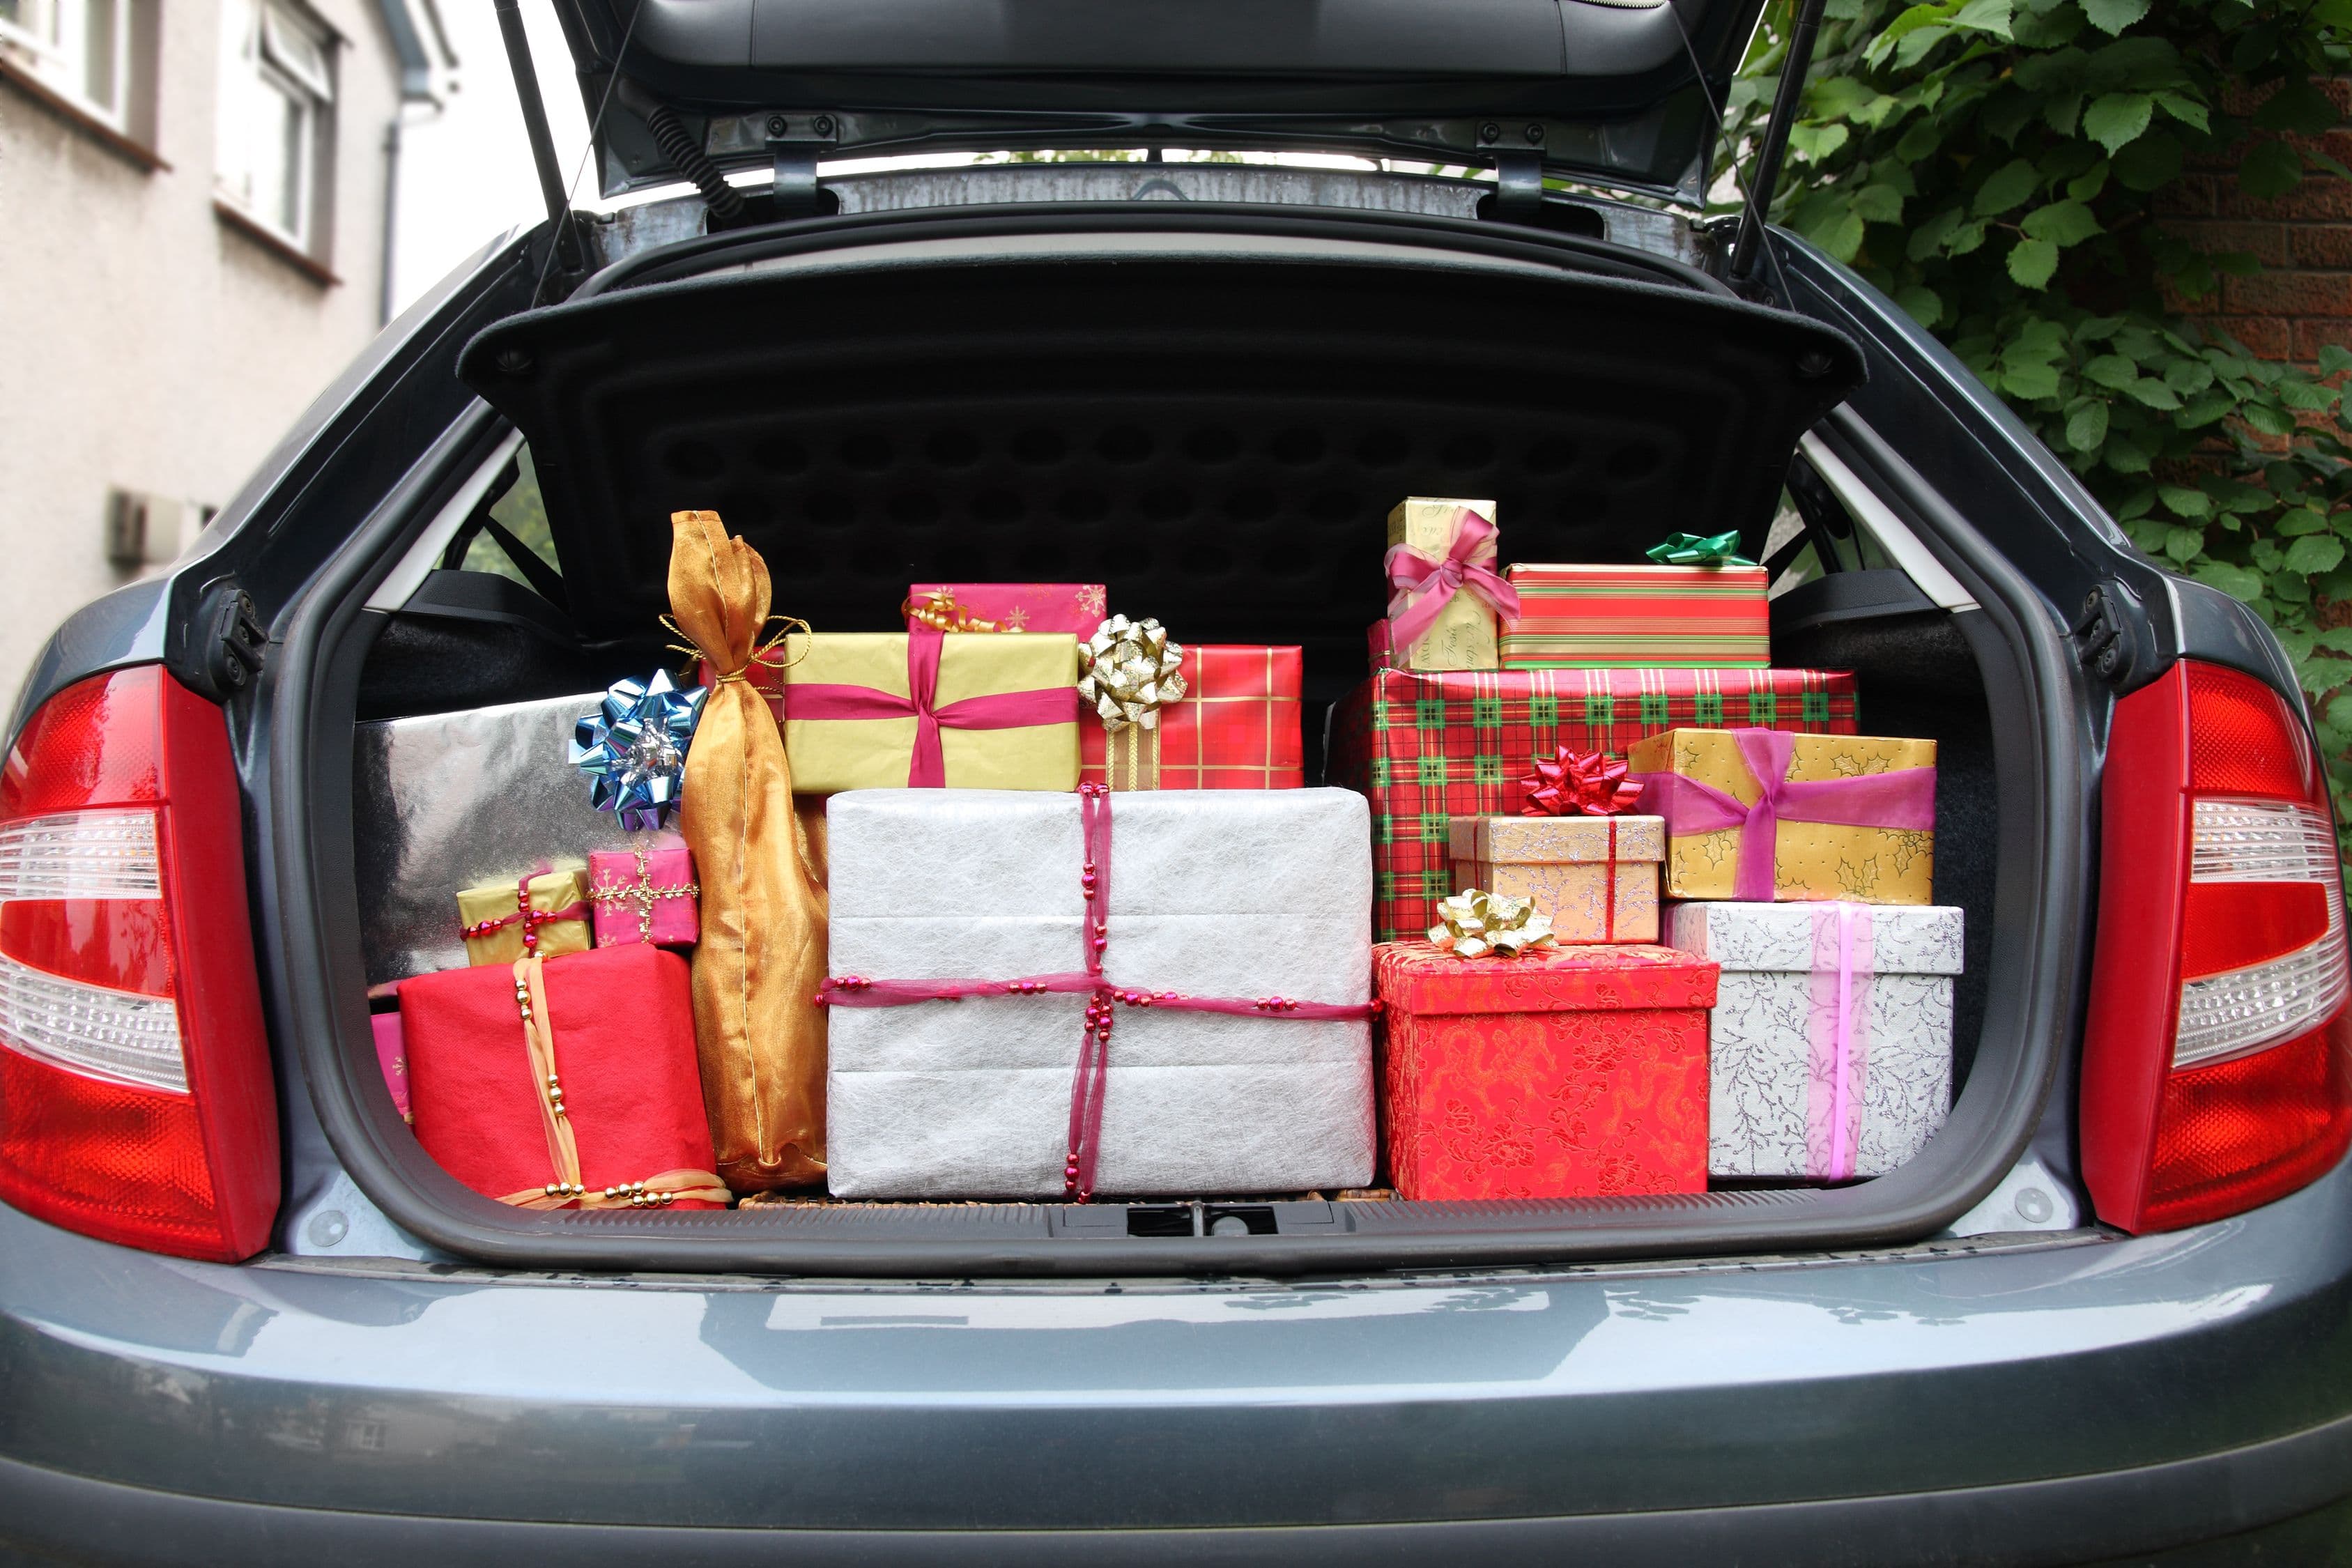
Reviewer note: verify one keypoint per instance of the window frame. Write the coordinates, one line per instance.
(264, 60)
(64, 66)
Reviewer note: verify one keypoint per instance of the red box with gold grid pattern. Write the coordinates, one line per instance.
(1428, 745)
(1237, 727)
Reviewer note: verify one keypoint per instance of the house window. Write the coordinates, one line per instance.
(277, 117)
(79, 48)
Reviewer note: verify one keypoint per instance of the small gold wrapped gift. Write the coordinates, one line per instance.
(1425, 533)
(1004, 712)
(1596, 876)
(551, 906)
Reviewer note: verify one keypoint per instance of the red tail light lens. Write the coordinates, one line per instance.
(2217, 1069)
(135, 1097)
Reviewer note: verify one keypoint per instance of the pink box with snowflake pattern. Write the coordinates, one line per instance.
(1073, 607)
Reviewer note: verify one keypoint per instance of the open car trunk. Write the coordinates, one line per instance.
(1209, 412)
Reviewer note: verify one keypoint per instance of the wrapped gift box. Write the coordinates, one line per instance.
(1227, 894)
(551, 907)
(622, 1022)
(450, 800)
(1568, 1072)
(1076, 608)
(1851, 816)
(644, 893)
(1237, 727)
(1831, 1043)
(1596, 877)
(1610, 617)
(392, 1056)
(1007, 709)
(1428, 747)
(1463, 636)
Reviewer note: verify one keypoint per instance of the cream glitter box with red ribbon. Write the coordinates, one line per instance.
(1217, 1041)
(1830, 1046)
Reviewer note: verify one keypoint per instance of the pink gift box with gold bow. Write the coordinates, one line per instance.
(645, 895)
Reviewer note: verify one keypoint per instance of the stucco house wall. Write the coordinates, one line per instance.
(149, 342)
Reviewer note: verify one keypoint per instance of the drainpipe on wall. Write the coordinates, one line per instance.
(391, 216)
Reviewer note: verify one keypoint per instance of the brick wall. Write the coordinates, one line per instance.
(2302, 298)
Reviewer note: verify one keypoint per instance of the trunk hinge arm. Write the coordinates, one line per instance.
(1774, 149)
(1518, 186)
(543, 139)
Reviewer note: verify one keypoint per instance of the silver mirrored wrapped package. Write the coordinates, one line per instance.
(448, 800)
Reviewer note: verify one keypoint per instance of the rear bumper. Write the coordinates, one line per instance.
(2042, 1404)
(2241, 1495)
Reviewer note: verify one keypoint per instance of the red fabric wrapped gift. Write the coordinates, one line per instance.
(622, 1123)
(1568, 1072)
(1236, 727)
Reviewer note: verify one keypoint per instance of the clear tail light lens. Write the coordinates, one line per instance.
(135, 1097)
(2217, 1067)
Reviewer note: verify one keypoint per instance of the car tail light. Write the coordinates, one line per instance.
(135, 1096)
(2217, 1068)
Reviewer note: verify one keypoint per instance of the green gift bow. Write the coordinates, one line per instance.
(1693, 549)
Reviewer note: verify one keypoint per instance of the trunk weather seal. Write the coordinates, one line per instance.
(314, 705)
(688, 258)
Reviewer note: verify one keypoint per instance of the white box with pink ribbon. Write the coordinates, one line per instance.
(1142, 994)
(1829, 1048)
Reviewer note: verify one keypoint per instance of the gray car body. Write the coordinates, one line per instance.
(2027, 1397)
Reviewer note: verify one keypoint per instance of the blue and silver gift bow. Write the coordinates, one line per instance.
(633, 748)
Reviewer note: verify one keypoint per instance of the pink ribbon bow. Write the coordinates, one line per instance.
(1904, 799)
(927, 768)
(1424, 587)
(1578, 784)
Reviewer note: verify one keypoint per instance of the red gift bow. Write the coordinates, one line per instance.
(1578, 784)
(1094, 1046)
(1467, 564)
(927, 768)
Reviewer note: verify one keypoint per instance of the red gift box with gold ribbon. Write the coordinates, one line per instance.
(1566, 1072)
(1236, 727)
(568, 1082)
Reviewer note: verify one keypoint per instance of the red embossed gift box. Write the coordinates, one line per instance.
(1570, 1072)
(622, 1022)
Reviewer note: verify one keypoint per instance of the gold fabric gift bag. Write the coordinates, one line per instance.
(762, 957)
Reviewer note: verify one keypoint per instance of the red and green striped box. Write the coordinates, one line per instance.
(1623, 617)
(1428, 745)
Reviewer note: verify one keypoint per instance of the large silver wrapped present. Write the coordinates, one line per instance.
(1830, 1048)
(1214, 893)
(449, 800)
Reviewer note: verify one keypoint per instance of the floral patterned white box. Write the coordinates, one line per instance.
(1830, 1048)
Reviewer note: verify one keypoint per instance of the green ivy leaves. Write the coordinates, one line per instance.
(1999, 168)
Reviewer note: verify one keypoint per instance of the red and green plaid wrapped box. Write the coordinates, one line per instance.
(1610, 617)
(1425, 746)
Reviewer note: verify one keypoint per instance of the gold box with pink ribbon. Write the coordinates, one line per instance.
(929, 710)
(1761, 814)
(1445, 593)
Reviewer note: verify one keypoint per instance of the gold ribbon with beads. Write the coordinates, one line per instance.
(562, 1151)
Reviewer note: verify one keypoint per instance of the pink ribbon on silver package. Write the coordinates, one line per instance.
(1469, 562)
(926, 767)
(1903, 799)
(1837, 1038)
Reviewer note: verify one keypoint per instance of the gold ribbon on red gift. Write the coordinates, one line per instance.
(563, 1150)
